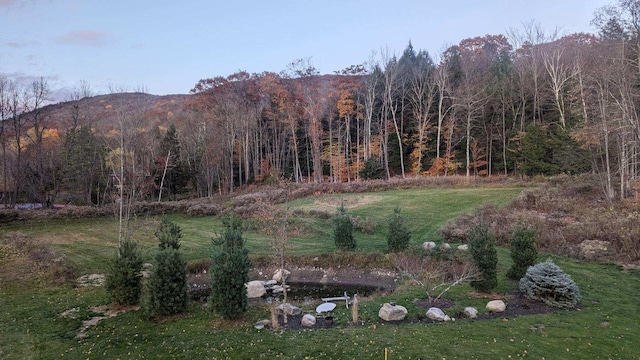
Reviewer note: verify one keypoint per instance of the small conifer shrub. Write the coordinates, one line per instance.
(523, 251)
(229, 271)
(398, 236)
(343, 230)
(124, 280)
(547, 283)
(485, 257)
(168, 291)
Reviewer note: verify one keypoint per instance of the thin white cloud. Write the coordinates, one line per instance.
(90, 38)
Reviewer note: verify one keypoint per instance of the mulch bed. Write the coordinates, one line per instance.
(517, 305)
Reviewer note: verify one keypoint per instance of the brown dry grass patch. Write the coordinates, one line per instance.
(331, 203)
(23, 258)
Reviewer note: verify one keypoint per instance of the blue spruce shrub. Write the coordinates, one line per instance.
(547, 283)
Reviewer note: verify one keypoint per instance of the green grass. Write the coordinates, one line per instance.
(30, 325)
(88, 243)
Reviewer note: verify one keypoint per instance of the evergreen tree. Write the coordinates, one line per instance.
(168, 291)
(229, 271)
(536, 155)
(168, 234)
(371, 169)
(124, 281)
(485, 257)
(343, 230)
(85, 163)
(398, 236)
(523, 251)
(546, 282)
(176, 177)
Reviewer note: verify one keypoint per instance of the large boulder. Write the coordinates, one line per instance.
(281, 274)
(436, 314)
(392, 312)
(496, 306)
(308, 320)
(428, 245)
(289, 309)
(255, 289)
(470, 312)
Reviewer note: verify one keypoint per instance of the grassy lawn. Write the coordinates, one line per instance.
(31, 326)
(88, 243)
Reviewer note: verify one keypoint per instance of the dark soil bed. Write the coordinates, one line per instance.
(517, 305)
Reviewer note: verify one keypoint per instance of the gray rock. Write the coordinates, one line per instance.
(445, 247)
(463, 247)
(390, 312)
(308, 320)
(262, 323)
(91, 280)
(270, 283)
(470, 312)
(495, 306)
(290, 309)
(277, 289)
(436, 314)
(255, 289)
(281, 274)
(428, 245)
(147, 266)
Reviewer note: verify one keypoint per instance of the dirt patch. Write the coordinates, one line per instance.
(517, 305)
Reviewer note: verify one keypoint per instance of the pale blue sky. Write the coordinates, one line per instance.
(167, 46)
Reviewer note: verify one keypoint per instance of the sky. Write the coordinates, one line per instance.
(165, 47)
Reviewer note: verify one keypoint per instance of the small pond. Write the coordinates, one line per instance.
(301, 290)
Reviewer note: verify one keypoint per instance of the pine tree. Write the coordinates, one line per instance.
(229, 271)
(371, 169)
(343, 230)
(523, 251)
(168, 291)
(124, 281)
(168, 234)
(485, 258)
(398, 236)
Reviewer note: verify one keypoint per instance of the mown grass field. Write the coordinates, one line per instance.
(30, 306)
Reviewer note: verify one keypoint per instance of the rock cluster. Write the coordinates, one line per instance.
(392, 312)
(258, 288)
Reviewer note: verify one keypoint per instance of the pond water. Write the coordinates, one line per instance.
(300, 291)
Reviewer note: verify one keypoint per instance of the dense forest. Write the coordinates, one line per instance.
(528, 103)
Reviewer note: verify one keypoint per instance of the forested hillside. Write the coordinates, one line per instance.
(528, 103)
